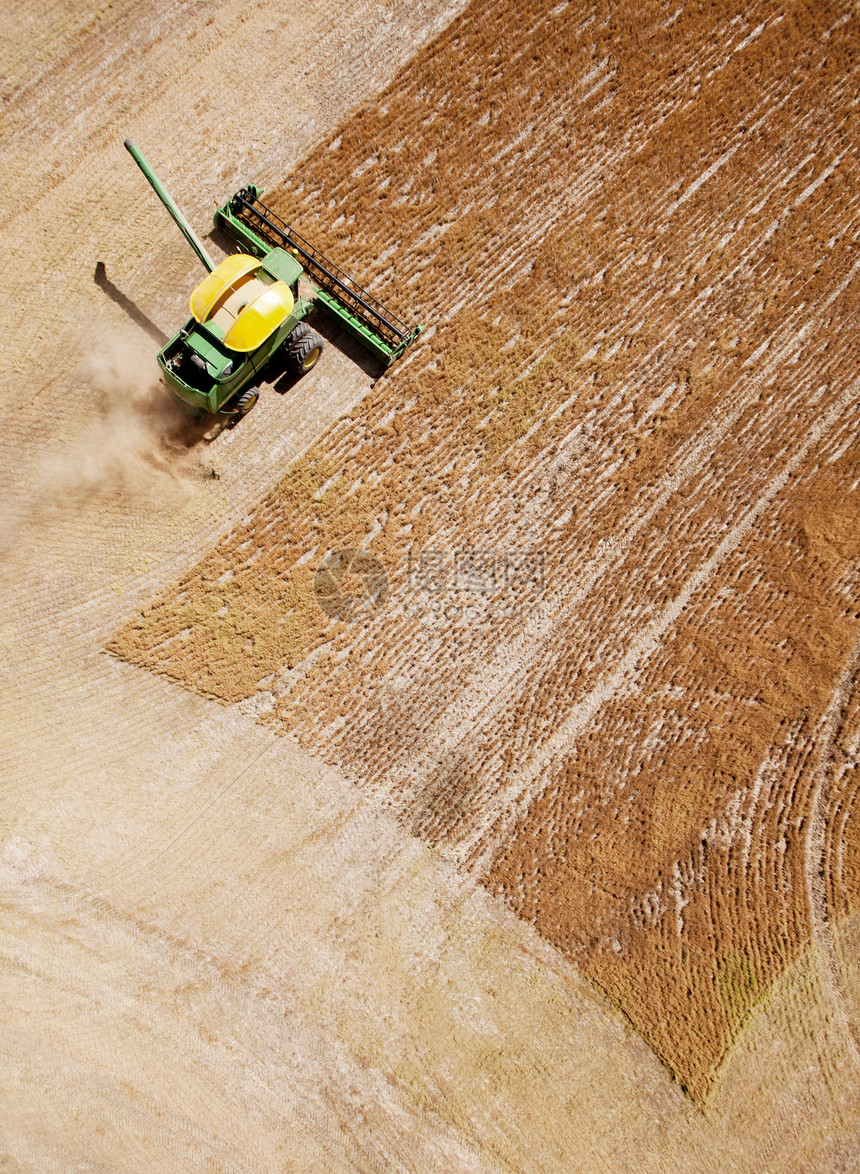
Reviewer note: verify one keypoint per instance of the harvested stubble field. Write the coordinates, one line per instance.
(615, 490)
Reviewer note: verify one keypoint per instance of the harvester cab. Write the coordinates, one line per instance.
(250, 306)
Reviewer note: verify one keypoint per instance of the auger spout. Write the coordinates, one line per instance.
(163, 195)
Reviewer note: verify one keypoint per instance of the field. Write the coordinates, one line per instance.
(546, 856)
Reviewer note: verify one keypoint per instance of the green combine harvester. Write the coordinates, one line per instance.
(249, 307)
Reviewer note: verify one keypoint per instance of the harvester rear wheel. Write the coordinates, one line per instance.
(304, 347)
(247, 400)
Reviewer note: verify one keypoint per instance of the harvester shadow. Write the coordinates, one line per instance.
(347, 345)
(284, 380)
(137, 316)
(226, 243)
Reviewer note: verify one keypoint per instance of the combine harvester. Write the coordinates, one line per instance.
(249, 307)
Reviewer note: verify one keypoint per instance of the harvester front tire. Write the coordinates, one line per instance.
(247, 400)
(304, 347)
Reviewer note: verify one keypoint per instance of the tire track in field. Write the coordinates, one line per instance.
(821, 868)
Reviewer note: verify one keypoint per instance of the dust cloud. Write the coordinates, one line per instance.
(127, 443)
(139, 438)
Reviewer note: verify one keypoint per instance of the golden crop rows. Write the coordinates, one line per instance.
(628, 453)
